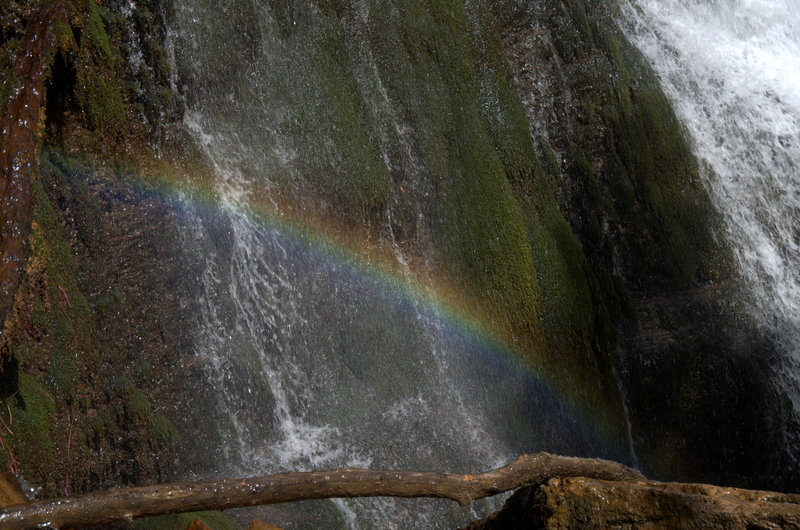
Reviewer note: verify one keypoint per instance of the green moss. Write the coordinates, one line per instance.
(481, 229)
(99, 425)
(332, 113)
(65, 38)
(573, 318)
(64, 314)
(639, 178)
(32, 442)
(95, 61)
(66, 179)
(96, 32)
(583, 171)
(499, 107)
(63, 371)
(216, 520)
(580, 18)
(164, 431)
(564, 301)
(651, 144)
(99, 97)
(477, 224)
(51, 365)
(136, 405)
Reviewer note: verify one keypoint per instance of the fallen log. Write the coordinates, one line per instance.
(127, 503)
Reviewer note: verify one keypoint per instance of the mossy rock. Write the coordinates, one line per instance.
(214, 519)
(96, 61)
(101, 99)
(164, 431)
(32, 410)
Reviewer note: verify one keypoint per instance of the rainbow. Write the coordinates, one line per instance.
(409, 281)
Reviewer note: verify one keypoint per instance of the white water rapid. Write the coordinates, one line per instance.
(732, 72)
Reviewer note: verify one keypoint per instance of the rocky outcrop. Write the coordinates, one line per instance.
(520, 152)
(24, 90)
(702, 398)
(615, 152)
(591, 503)
(685, 349)
(82, 338)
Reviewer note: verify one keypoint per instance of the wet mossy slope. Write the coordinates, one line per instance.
(398, 117)
(76, 416)
(520, 156)
(402, 120)
(482, 202)
(614, 150)
(685, 347)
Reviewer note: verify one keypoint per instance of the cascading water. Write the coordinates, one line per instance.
(732, 71)
(318, 360)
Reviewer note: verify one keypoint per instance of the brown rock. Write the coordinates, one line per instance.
(591, 503)
(258, 524)
(197, 524)
(10, 492)
(18, 152)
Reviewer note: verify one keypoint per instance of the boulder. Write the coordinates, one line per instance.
(579, 502)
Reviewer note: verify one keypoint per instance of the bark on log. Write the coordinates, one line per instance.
(127, 503)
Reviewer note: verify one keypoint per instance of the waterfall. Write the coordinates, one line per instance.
(732, 71)
(319, 358)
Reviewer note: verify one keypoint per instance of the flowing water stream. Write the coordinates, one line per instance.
(319, 358)
(732, 71)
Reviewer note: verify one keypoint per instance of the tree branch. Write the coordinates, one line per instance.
(127, 503)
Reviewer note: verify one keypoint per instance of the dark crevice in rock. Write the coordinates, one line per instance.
(60, 90)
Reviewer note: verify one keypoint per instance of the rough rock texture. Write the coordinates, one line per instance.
(10, 492)
(590, 503)
(19, 119)
(701, 396)
(615, 152)
(415, 143)
(686, 351)
(83, 339)
(258, 524)
(521, 150)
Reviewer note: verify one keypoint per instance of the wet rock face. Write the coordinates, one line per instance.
(99, 317)
(606, 142)
(702, 397)
(614, 150)
(139, 265)
(24, 89)
(98, 310)
(693, 366)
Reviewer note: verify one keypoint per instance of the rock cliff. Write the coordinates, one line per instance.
(521, 154)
